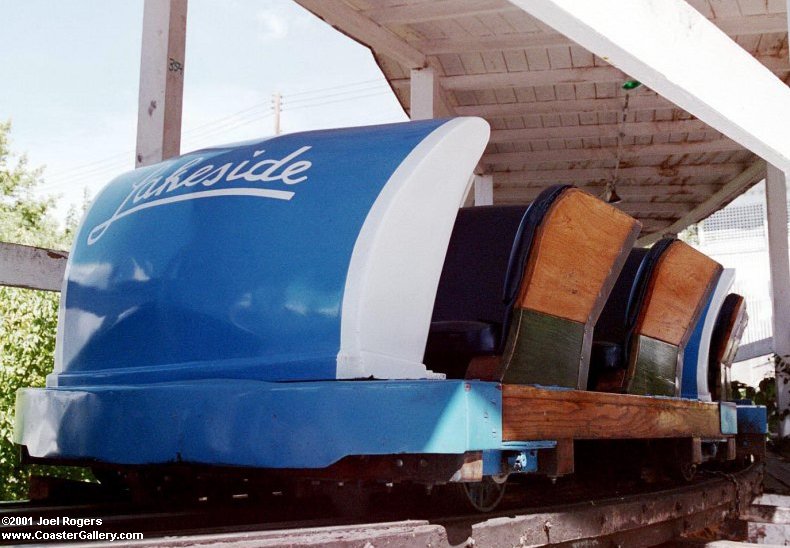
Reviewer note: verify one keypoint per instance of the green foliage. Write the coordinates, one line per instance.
(764, 394)
(690, 234)
(28, 319)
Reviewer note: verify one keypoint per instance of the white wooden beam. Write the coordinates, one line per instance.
(726, 194)
(161, 81)
(776, 216)
(733, 26)
(352, 22)
(603, 153)
(484, 190)
(424, 94)
(32, 267)
(754, 349)
(717, 81)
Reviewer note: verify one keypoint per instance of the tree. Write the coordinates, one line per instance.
(28, 319)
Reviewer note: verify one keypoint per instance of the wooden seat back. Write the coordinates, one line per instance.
(727, 333)
(576, 255)
(677, 292)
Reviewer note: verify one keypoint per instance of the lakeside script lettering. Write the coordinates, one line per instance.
(157, 190)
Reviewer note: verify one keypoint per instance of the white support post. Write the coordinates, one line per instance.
(161, 81)
(484, 190)
(717, 81)
(776, 209)
(424, 94)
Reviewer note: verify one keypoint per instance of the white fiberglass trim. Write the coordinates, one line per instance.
(399, 253)
(717, 299)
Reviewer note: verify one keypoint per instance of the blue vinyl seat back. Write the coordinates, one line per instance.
(480, 280)
(616, 324)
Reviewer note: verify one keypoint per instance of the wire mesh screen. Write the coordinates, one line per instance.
(736, 236)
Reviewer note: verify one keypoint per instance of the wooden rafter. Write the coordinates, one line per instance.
(727, 193)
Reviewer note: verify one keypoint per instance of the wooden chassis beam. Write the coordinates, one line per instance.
(31, 267)
(718, 81)
(530, 413)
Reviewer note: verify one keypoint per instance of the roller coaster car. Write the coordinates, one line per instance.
(270, 307)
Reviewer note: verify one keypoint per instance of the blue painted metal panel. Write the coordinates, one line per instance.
(260, 424)
(218, 264)
(752, 419)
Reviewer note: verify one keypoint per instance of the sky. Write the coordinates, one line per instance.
(70, 76)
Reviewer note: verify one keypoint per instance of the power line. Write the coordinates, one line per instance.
(113, 163)
(322, 103)
(340, 93)
(320, 90)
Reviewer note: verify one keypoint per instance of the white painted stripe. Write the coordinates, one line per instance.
(397, 260)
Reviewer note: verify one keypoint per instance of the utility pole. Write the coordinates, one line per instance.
(277, 99)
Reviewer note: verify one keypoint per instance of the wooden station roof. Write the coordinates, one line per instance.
(556, 109)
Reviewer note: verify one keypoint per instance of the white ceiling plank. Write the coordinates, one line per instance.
(717, 81)
(634, 151)
(525, 178)
(528, 78)
(436, 10)
(597, 130)
(578, 75)
(385, 42)
(629, 193)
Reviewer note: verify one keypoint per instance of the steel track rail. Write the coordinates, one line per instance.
(646, 519)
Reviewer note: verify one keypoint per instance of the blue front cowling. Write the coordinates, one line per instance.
(259, 424)
(224, 263)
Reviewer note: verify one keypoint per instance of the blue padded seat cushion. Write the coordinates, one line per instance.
(464, 337)
(482, 273)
